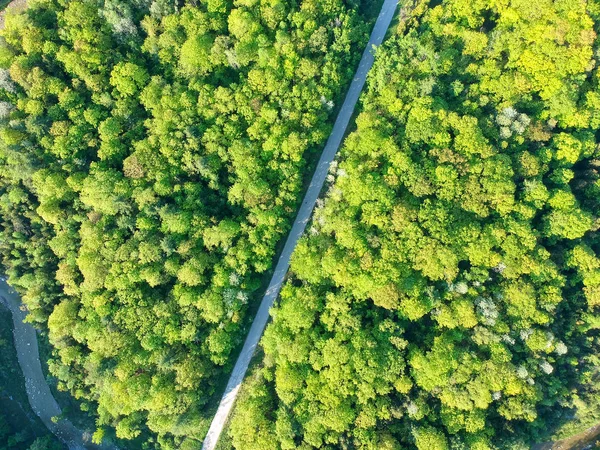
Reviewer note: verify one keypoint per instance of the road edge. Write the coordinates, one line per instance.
(259, 323)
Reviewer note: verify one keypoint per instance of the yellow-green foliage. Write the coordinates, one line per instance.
(152, 154)
(452, 273)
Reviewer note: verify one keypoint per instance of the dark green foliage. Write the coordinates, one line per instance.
(151, 158)
(45, 443)
(20, 428)
(447, 294)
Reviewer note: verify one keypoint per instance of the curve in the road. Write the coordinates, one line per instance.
(40, 397)
(335, 139)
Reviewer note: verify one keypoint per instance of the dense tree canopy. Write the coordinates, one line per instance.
(447, 294)
(152, 154)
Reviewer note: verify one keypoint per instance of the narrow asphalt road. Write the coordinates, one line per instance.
(40, 397)
(304, 214)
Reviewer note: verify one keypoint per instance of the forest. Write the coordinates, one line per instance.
(152, 155)
(447, 293)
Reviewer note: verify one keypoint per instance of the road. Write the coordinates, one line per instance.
(40, 397)
(333, 143)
